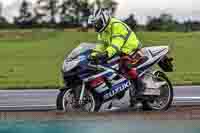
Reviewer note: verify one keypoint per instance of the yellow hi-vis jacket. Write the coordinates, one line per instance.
(117, 38)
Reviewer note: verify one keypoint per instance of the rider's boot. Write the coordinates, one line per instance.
(138, 85)
(135, 97)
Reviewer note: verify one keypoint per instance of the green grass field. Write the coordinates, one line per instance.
(34, 58)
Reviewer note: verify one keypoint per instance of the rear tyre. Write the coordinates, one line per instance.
(164, 101)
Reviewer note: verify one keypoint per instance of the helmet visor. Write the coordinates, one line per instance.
(99, 24)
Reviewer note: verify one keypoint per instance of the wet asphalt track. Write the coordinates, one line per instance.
(45, 100)
(34, 111)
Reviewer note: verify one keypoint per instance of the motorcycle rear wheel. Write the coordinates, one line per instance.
(164, 101)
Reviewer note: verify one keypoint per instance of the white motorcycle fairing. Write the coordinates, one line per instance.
(154, 55)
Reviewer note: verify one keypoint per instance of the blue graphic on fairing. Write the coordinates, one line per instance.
(84, 74)
(124, 85)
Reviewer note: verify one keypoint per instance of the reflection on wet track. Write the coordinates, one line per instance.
(116, 125)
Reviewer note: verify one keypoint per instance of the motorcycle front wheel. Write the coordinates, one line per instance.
(68, 102)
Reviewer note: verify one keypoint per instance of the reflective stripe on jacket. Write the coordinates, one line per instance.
(117, 38)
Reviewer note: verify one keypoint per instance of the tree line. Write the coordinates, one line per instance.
(75, 13)
(165, 22)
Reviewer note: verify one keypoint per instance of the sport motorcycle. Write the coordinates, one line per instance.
(89, 86)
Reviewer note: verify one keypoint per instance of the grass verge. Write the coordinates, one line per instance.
(33, 59)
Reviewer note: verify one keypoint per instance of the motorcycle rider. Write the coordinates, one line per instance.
(116, 38)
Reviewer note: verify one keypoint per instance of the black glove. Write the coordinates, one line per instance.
(98, 58)
(92, 59)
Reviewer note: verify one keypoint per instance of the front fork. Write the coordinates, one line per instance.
(82, 93)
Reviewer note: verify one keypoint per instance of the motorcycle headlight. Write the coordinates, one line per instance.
(69, 65)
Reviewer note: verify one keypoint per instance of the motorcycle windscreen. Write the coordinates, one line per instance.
(83, 47)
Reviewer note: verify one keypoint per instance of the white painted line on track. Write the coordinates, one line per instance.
(192, 98)
(52, 105)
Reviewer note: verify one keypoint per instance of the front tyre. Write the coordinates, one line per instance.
(164, 101)
(67, 102)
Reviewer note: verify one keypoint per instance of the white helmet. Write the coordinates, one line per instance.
(100, 18)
